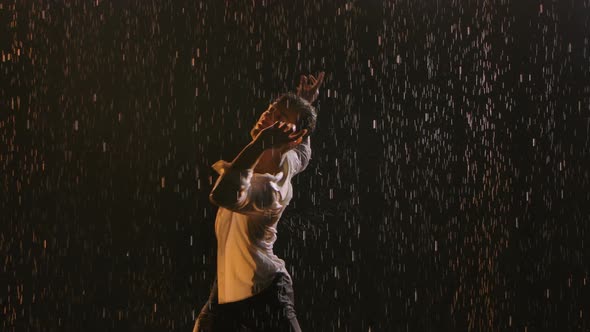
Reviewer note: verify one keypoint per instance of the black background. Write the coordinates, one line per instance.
(448, 188)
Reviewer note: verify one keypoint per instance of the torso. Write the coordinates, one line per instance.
(246, 263)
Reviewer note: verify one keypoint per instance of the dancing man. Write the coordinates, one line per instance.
(253, 290)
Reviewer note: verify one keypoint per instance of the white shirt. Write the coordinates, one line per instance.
(250, 205)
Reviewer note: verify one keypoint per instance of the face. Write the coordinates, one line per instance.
(270, 116)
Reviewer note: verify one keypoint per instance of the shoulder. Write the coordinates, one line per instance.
(295, 160)
(290, 162)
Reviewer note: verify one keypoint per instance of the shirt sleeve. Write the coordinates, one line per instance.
(292, 163)
(303, 153)
(242, 192)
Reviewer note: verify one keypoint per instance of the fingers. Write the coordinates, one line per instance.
(319, 81)
(286, 127)
(311, 82)
(283, 125)
(282, 133)
(302, 82)
(295, 142)
(289, 130)
(297, 135)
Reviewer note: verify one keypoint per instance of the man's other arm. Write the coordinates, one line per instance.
(233, 184)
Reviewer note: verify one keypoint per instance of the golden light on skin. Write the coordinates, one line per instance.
(274, 113)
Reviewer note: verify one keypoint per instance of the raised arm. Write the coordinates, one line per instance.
(233, 189)
(308, 89)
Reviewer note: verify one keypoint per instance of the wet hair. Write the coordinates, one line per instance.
(307, 115)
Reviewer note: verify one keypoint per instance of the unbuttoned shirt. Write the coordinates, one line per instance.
(250, 206)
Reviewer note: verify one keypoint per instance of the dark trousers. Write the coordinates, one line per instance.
(272, 309)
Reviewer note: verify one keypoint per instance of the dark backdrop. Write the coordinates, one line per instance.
(448, 189)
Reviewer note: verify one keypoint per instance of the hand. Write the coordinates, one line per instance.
(309, 88)
(278, 134)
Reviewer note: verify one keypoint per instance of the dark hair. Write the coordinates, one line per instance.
(307, 115)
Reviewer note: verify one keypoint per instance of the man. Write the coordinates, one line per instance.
(253, 290)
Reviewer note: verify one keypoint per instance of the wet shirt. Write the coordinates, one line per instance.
(250, 206)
